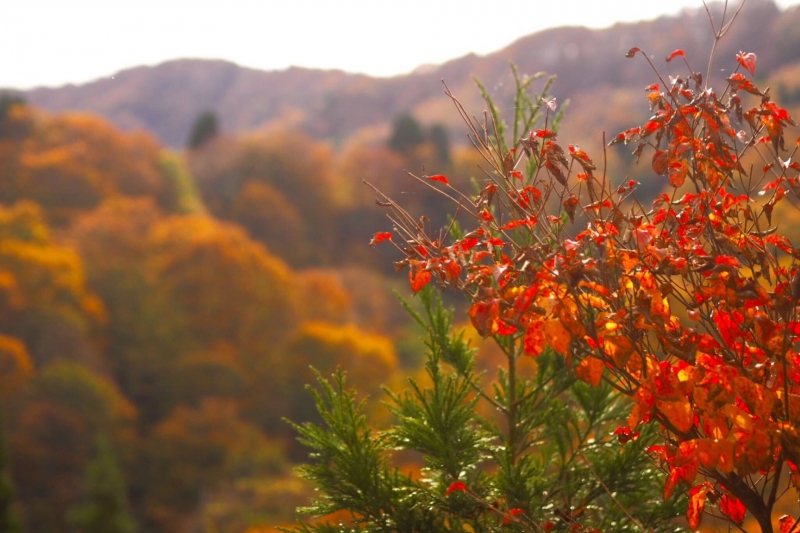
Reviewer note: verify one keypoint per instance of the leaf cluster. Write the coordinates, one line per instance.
(688, 307)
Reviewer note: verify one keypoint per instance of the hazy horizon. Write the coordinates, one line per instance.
(79, 43)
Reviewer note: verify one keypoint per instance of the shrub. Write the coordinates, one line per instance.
(687, 309)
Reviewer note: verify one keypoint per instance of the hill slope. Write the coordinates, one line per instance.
(334, 105)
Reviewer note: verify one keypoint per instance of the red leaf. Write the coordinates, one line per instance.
(516, 223)
(486, 215)
(439, 177)
(418, 275)
(380, 237)
(632, 51)
(732, 508)
(789, 524)
(452, 269)
(511, 514)
(458, 485)
(625, 434)
(675, 54)
(697, 504)
(468, 243)
(517, 174)
(748, 61)
(544, 134)
(651, 127)
(660, 159)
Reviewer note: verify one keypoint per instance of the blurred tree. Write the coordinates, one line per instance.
(295, 167)
(322, 296)
(205, 128)
(269, 217)
(104, 505)
(68, 163)
(369, 359)
(15, 366)
(9, 521)
(146, 332)
(215, 371)
(184, 198)
(229, 288)
(438, 136)
(190, 453)
(53, 424)
(44, 301)
(406, 134)
(7, 101)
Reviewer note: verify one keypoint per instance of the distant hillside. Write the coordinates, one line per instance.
(334, 105)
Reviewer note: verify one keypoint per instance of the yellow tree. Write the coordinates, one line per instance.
(68, 163)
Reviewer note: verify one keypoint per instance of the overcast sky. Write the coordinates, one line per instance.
(54, 42)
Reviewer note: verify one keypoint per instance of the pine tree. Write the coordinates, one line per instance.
(406, 134)
(103, 509)
(205, 128)
(548, 461)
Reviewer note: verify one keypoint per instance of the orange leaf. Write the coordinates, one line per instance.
(677, 412)
(590, 370)
(697, 504)
(557, 336)
(714, 453)
(534, 341)
(516, 223)
(619, 348)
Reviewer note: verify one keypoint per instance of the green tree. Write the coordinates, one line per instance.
(544, 456)
(406, 134)
(441, 142)
(104, 507)
(205, 128)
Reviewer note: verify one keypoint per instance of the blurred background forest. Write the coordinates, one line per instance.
(179, 244)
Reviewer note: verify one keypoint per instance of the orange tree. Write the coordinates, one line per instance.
(688, 306)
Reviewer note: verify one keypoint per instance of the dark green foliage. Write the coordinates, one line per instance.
(104, 508)
(351, 469)
(406, 134)
(9, 521)
(441, 141)
(545, 455)
(205, 128)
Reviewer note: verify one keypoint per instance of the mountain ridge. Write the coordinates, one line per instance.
(334, 105)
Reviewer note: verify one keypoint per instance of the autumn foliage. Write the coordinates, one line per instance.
(686, 305)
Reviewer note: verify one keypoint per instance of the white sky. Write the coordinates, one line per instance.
(53, 42)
